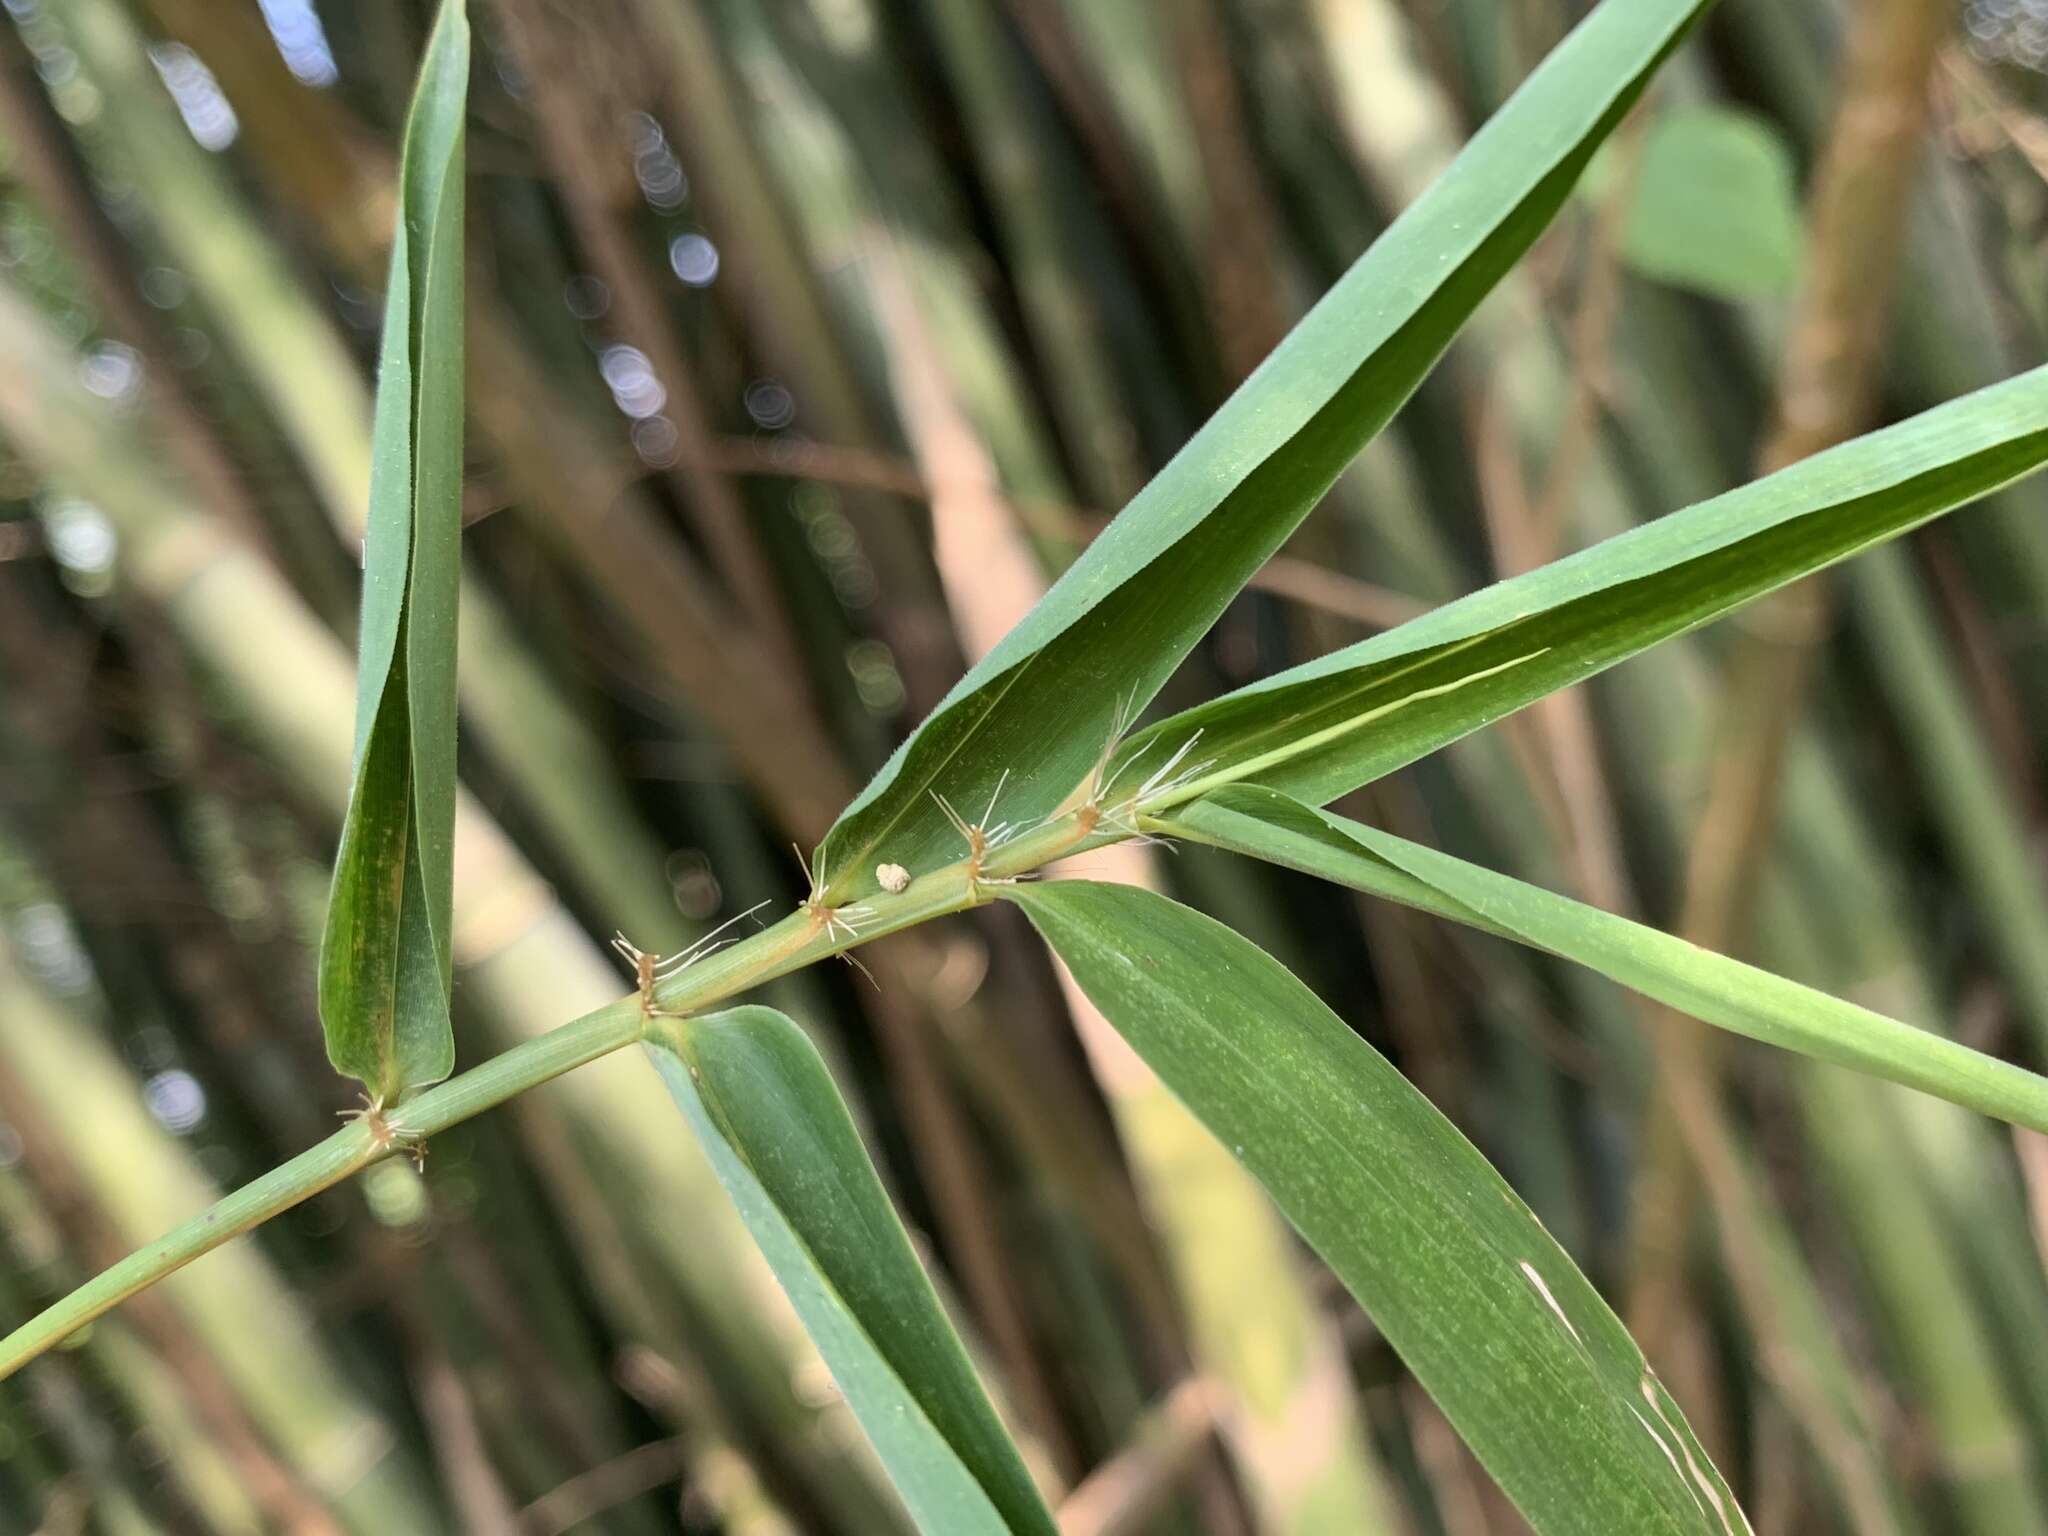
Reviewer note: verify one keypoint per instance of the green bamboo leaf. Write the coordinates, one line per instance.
(1492, 1316)
(1111, 630)
(1324, 728)
(385, 959)
(1710, 987)
(1714, 206)
(760, 1099)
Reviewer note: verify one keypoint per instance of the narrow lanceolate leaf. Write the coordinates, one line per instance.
(1710, 987)
(1492, 1316)
(1322, 729)
(758, 1095)
(385, 961)
(1105, 638)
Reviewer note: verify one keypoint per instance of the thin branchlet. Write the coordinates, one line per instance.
(376, 1131)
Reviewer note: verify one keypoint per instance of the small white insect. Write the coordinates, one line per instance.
(893, 878)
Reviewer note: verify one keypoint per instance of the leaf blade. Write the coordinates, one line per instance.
(1726, 993)
(437, 377)
(1487, 1310)
(1715, 205)
(763, 1104)
(359, 947)
(386, 955)
(1105, 638)
(1466, 664)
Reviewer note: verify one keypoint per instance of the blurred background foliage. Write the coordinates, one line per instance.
(807, 340)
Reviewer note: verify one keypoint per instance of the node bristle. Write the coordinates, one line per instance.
(1164, 771)
(959, 822)
(810, 875)
(1122, 768)
(989, 814)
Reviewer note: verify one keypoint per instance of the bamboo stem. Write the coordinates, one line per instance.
(285, 343)
(348, 1151)
(1824, 389)
(49, 165)
(799, 940)
(246, 1320)
(525, 962)
(790, 317)
(578, 163)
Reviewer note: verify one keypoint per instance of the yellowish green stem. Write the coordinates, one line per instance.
(798, 940)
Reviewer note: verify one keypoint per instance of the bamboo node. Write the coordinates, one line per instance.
(650, 968)
(386, 1135)
(983, 837)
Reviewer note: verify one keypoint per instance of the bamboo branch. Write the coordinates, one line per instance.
(590, 1494)
(790, 317)
(579, 165)
(345, 1153)
(1128, 1490)
(797, 941)
(49, 164)
(526, 963)
(787, 758)
(274, 1487)
(1307, 582)
(1825, 389)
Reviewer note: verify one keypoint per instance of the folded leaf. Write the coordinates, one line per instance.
(760, 1099)
(1710, 987)
(385, 958)
(1100, 644)
(1322, 729)
(1492, 1316)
